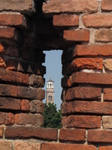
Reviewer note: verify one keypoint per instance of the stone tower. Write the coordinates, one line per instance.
(50, 91)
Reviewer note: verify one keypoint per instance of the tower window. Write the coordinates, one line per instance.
(50, 98)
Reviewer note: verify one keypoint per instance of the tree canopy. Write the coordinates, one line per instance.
(52, 117)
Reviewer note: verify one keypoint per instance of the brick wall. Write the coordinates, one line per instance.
(83, 30)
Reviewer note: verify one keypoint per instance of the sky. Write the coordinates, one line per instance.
(54, 70)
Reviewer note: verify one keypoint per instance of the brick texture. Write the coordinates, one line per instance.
(81, 121)
(7, 118)
(100, 136)
(6, 145)
(82, 93)
(106, 5)
(97, 20)
(87, 107)
(65, 20)
(56, 146)
(72, 135)
(32, 119)
(105, 147)
(70, 7)
(31, 132)
(76, 35)
(107, 122)
(23, 145)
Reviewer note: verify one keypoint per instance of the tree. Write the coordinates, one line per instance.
(52, 117)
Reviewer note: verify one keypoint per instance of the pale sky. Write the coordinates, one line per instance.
(54, 70)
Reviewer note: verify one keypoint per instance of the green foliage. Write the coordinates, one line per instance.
(52, 117)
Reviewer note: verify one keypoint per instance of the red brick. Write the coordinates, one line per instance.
(107, 94)
(103, 35)
(83, 63)
(25, 105)
(31, 132)
(10, 103)
(37, 106)
(74, 6)
(32, 119)
(82, 93)
(65, 20)
(100, 136)
(72, 135)
(23, 145)
(97, 20)
(87, 107)
(1, 48)
(106, 5)
(22, 91)
(2, 62)
(58, 146)
(26, 6)
(92, 50)
(76, 35)
(8, 33)
(7, 118)
(2, 131)
(5, 145)
(15, 77)
(14, 19)
(81, 121)
(105, 147)
(87, 78)
(36, 81)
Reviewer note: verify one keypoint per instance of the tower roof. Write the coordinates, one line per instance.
(50, 80)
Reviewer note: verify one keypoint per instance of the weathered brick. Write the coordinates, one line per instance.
(15, 77)
(25, 6)
(92, 50)
(81, 121)
(37, 81)
(2, 62)
(65, 20)
(5, 145)
(12, 51)
(22, 92)
(1, 131)
(83, 63)
(103, 35)
(2, 49)
(87, 107)
(14, 19)
(107, 122)
(24, 66)
(106, 5)
(100, 136)
(8, 33)
(23, 145)
(76, 35)
(72, 135)
(82, 93)
(88, 78)
(31, 132)
(58, 146)
(107, 94)
(25, 105)
(10, 103)
(67, 6)
(7, 118)
(32, 119)
(105, 147)
(37, 106)
(97, 20)
(107, 64)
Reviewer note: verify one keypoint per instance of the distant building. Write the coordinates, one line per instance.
(50, 92)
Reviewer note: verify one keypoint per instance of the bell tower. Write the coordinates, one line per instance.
(50, 92)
